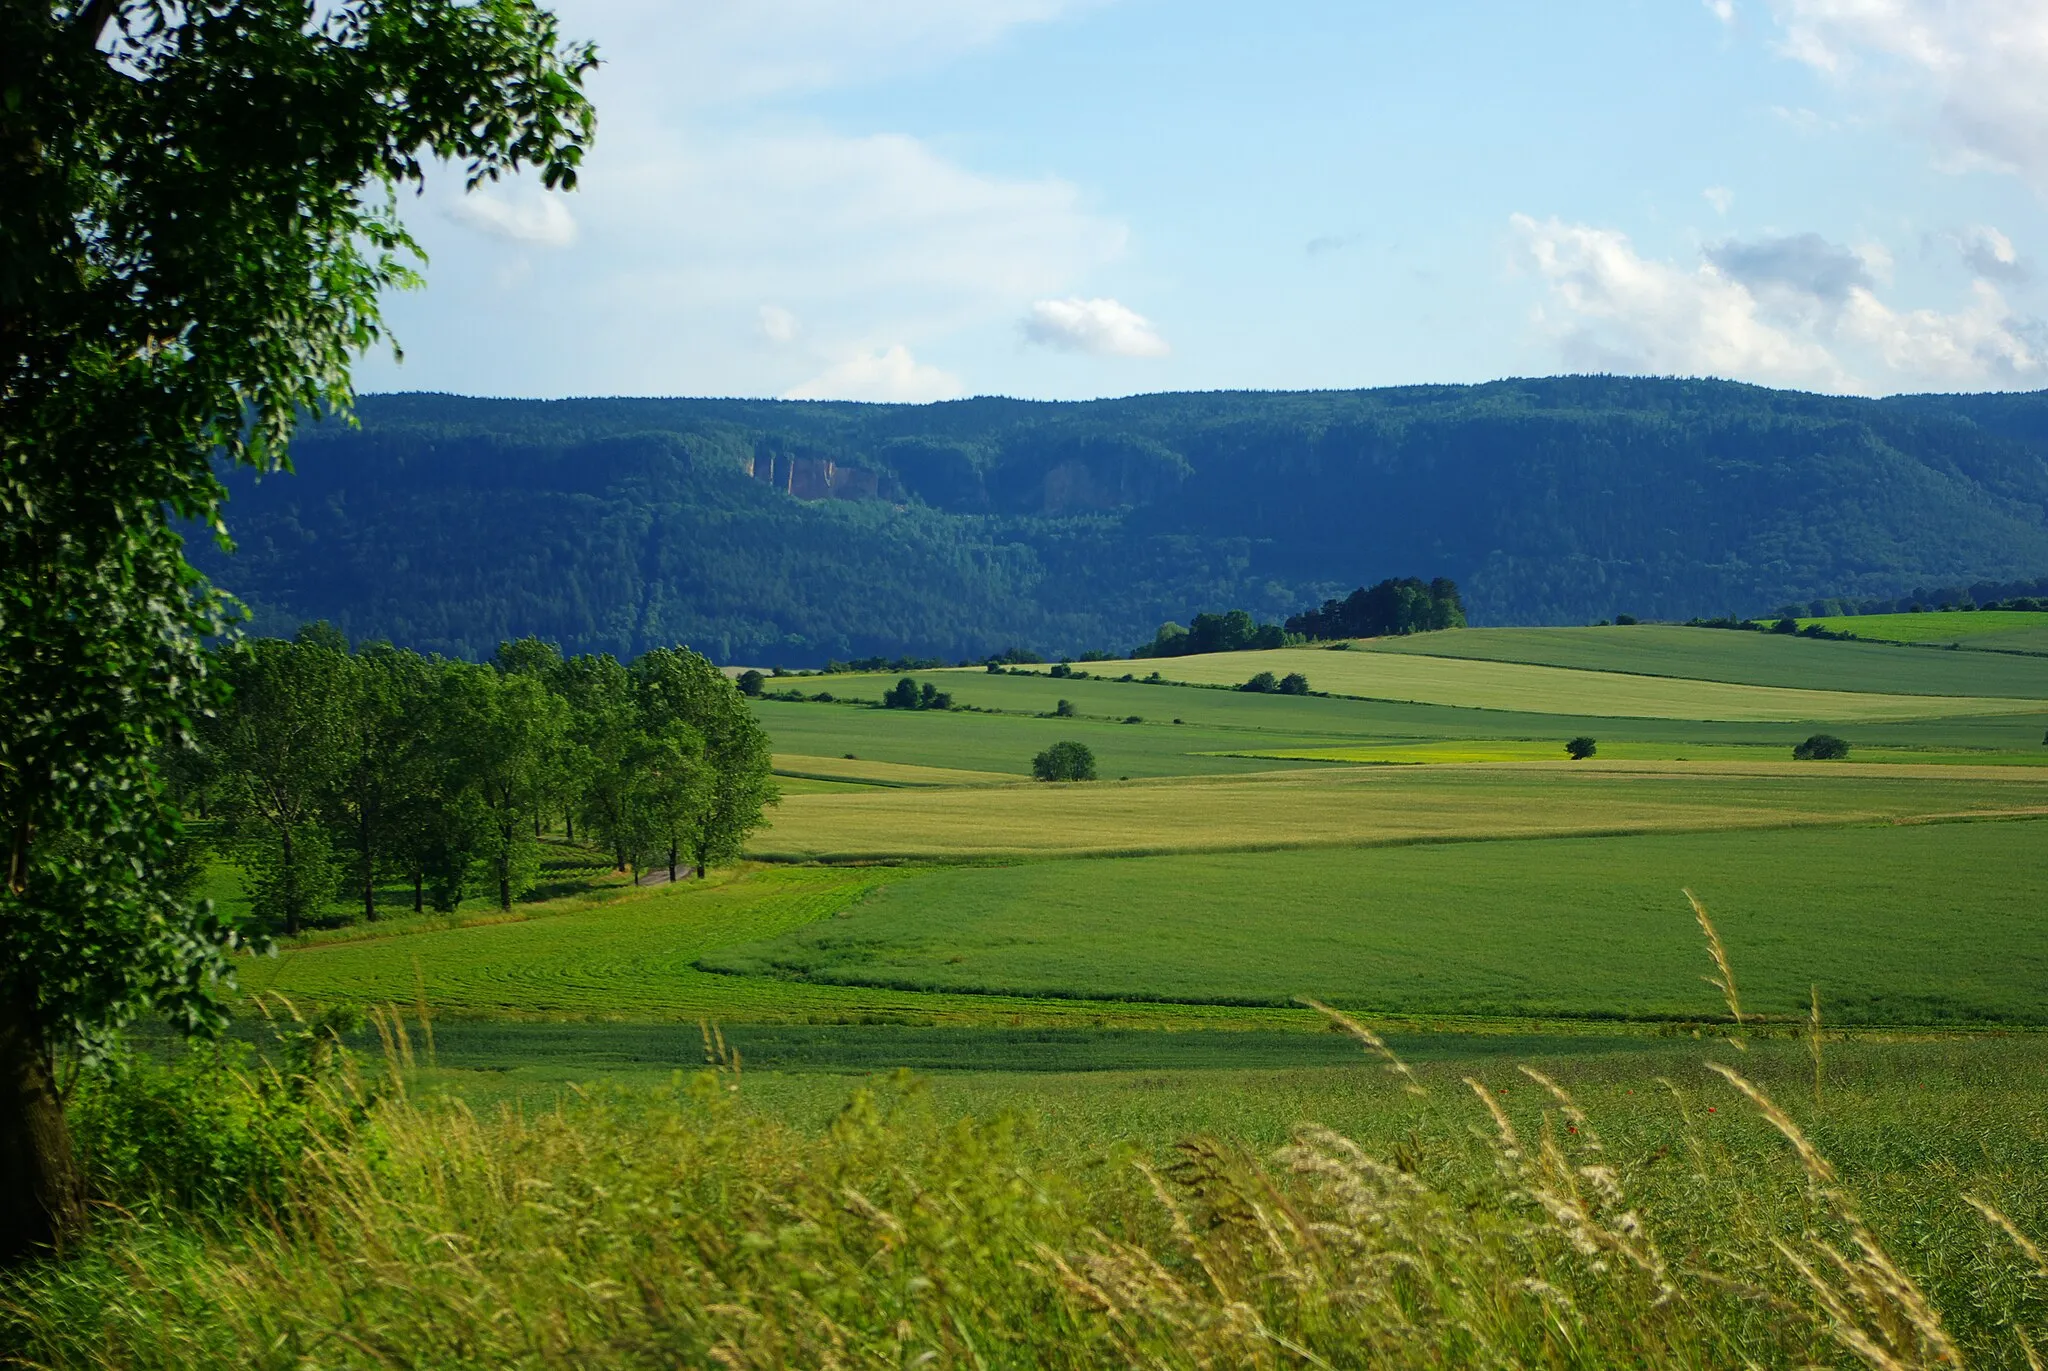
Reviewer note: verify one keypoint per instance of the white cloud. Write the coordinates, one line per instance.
(538, 219)
(1795, 311)
(1723, 10)
(718, 52)
(729, 239)
(882, 374)
(1106, 328)
(1981, 67)
(1990, 253)
(1720, 197)
(778, 325)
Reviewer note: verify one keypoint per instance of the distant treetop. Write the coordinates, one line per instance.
(1391, 607)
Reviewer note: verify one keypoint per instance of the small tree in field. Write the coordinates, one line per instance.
(1294, 683)
(1068, 761)
(1580, 748)
(1821, 747)
(1265, 683)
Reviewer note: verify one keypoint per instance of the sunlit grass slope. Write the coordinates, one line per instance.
(1935, 924)
(1368, 805)
(1552, 690)
(634, 960)
(1764, 659)
(1976, 628)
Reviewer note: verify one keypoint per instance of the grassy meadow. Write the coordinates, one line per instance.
(1764, 659)
(1100, 1154)
(1996, 629)
(1479, 683)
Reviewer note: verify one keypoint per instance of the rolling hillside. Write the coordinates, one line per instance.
(794, 532)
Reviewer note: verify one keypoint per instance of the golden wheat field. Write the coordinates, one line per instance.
(1366, 805)
(1477, 684)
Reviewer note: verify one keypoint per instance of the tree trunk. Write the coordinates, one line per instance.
(671, 863)
(569, 825)
(369, 871)
(419, 882)
(42, 1196)
(700, 871)
(291, 908)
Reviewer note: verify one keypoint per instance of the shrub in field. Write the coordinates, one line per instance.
(1293, 683)
(1265, 683)
(1821, 747)
(1063, 710)
(1581, 747)
(218, 1128)
(1067, 761)
(750, 682)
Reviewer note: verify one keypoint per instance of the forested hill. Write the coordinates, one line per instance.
(790, 532)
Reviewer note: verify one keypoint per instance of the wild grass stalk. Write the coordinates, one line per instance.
(683, 1227)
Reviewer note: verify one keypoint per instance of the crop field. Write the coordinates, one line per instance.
(1762, 659)
(1356, 805)
(875, 773)
(1933, 924)
(634, 958)
(1480, 684)
(1436, 862)
(1996, 628)
(1455, 752)
(1010, 720)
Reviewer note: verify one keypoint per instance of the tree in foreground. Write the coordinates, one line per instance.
(1068, 761)
(1821, 747)
(196, 227)
(1581, 747)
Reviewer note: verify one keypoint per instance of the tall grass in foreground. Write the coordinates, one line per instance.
(685, 1229)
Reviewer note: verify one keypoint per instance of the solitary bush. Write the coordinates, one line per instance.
(1265, 683)
(1821, 747)
(1294, 683)
(1788, 624)
(750, 682)
(1064, 709)
(1068, 761)
(1580, 748)
(1624, 620)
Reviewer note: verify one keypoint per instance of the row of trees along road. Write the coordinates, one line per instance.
(330, 768)
(197, 223)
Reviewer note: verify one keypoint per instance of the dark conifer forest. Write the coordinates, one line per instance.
(797, 532)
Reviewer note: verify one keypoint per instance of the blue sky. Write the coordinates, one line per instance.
(920, 199)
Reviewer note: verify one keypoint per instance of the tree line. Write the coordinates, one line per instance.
(329, 770)
(1393, 606)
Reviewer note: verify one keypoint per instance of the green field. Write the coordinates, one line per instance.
(1483, 684)
(1009, 722)
(1763, 659)
(1932, 924)
(1364, 805)
(1997, 628)
(1271, 846)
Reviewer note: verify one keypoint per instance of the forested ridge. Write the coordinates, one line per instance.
(794, 532)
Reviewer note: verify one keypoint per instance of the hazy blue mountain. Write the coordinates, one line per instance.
(791, 532)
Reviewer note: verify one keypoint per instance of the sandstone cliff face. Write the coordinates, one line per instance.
(813, 478)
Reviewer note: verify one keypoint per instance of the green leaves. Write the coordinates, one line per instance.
(196, 231)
